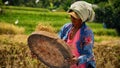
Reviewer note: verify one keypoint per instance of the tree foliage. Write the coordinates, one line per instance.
(110, 14)
(46, 3)
(116, 6)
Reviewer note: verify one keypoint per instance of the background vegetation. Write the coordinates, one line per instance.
(107, 11)
(17, 22)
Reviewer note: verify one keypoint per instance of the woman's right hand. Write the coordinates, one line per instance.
(33, 55)
(73, 60)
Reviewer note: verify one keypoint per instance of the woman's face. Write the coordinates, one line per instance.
(76, 22)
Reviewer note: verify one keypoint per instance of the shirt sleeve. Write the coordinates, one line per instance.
(63, 32)
(87, 46)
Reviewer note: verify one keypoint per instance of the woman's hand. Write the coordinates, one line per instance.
(33, 55)
(73, 60)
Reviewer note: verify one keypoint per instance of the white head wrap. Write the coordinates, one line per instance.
(83, 10)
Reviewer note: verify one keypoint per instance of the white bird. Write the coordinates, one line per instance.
(36, 1)
(16, 22)
(6, 2)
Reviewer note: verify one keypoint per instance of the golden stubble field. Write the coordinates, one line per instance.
(14, 52)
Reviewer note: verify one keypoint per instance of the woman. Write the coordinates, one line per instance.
(79, 36)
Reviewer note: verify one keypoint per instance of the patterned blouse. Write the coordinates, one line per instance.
(84, 44)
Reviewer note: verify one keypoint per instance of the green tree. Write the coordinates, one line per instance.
(66, 4)
(110, 14)
(1, 2)
(116, 7)
(95, 1)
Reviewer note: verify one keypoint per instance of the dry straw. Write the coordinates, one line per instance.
(45, 27)
(6, 28)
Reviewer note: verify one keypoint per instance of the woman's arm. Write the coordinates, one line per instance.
(87, 46)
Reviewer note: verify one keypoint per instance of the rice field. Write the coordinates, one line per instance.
(15, 53)
(31, 17)
(22, 21)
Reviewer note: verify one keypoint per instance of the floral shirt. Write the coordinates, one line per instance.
(84, 44)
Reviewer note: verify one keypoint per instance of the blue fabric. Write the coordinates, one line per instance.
(84, 44)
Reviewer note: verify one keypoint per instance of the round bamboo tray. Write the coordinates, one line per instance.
(49, 49)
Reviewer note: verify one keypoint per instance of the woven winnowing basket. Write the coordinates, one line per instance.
(49, 49)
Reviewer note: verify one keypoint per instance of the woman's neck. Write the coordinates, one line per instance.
(77, 26)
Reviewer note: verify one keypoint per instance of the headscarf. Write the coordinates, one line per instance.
(83, 10)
